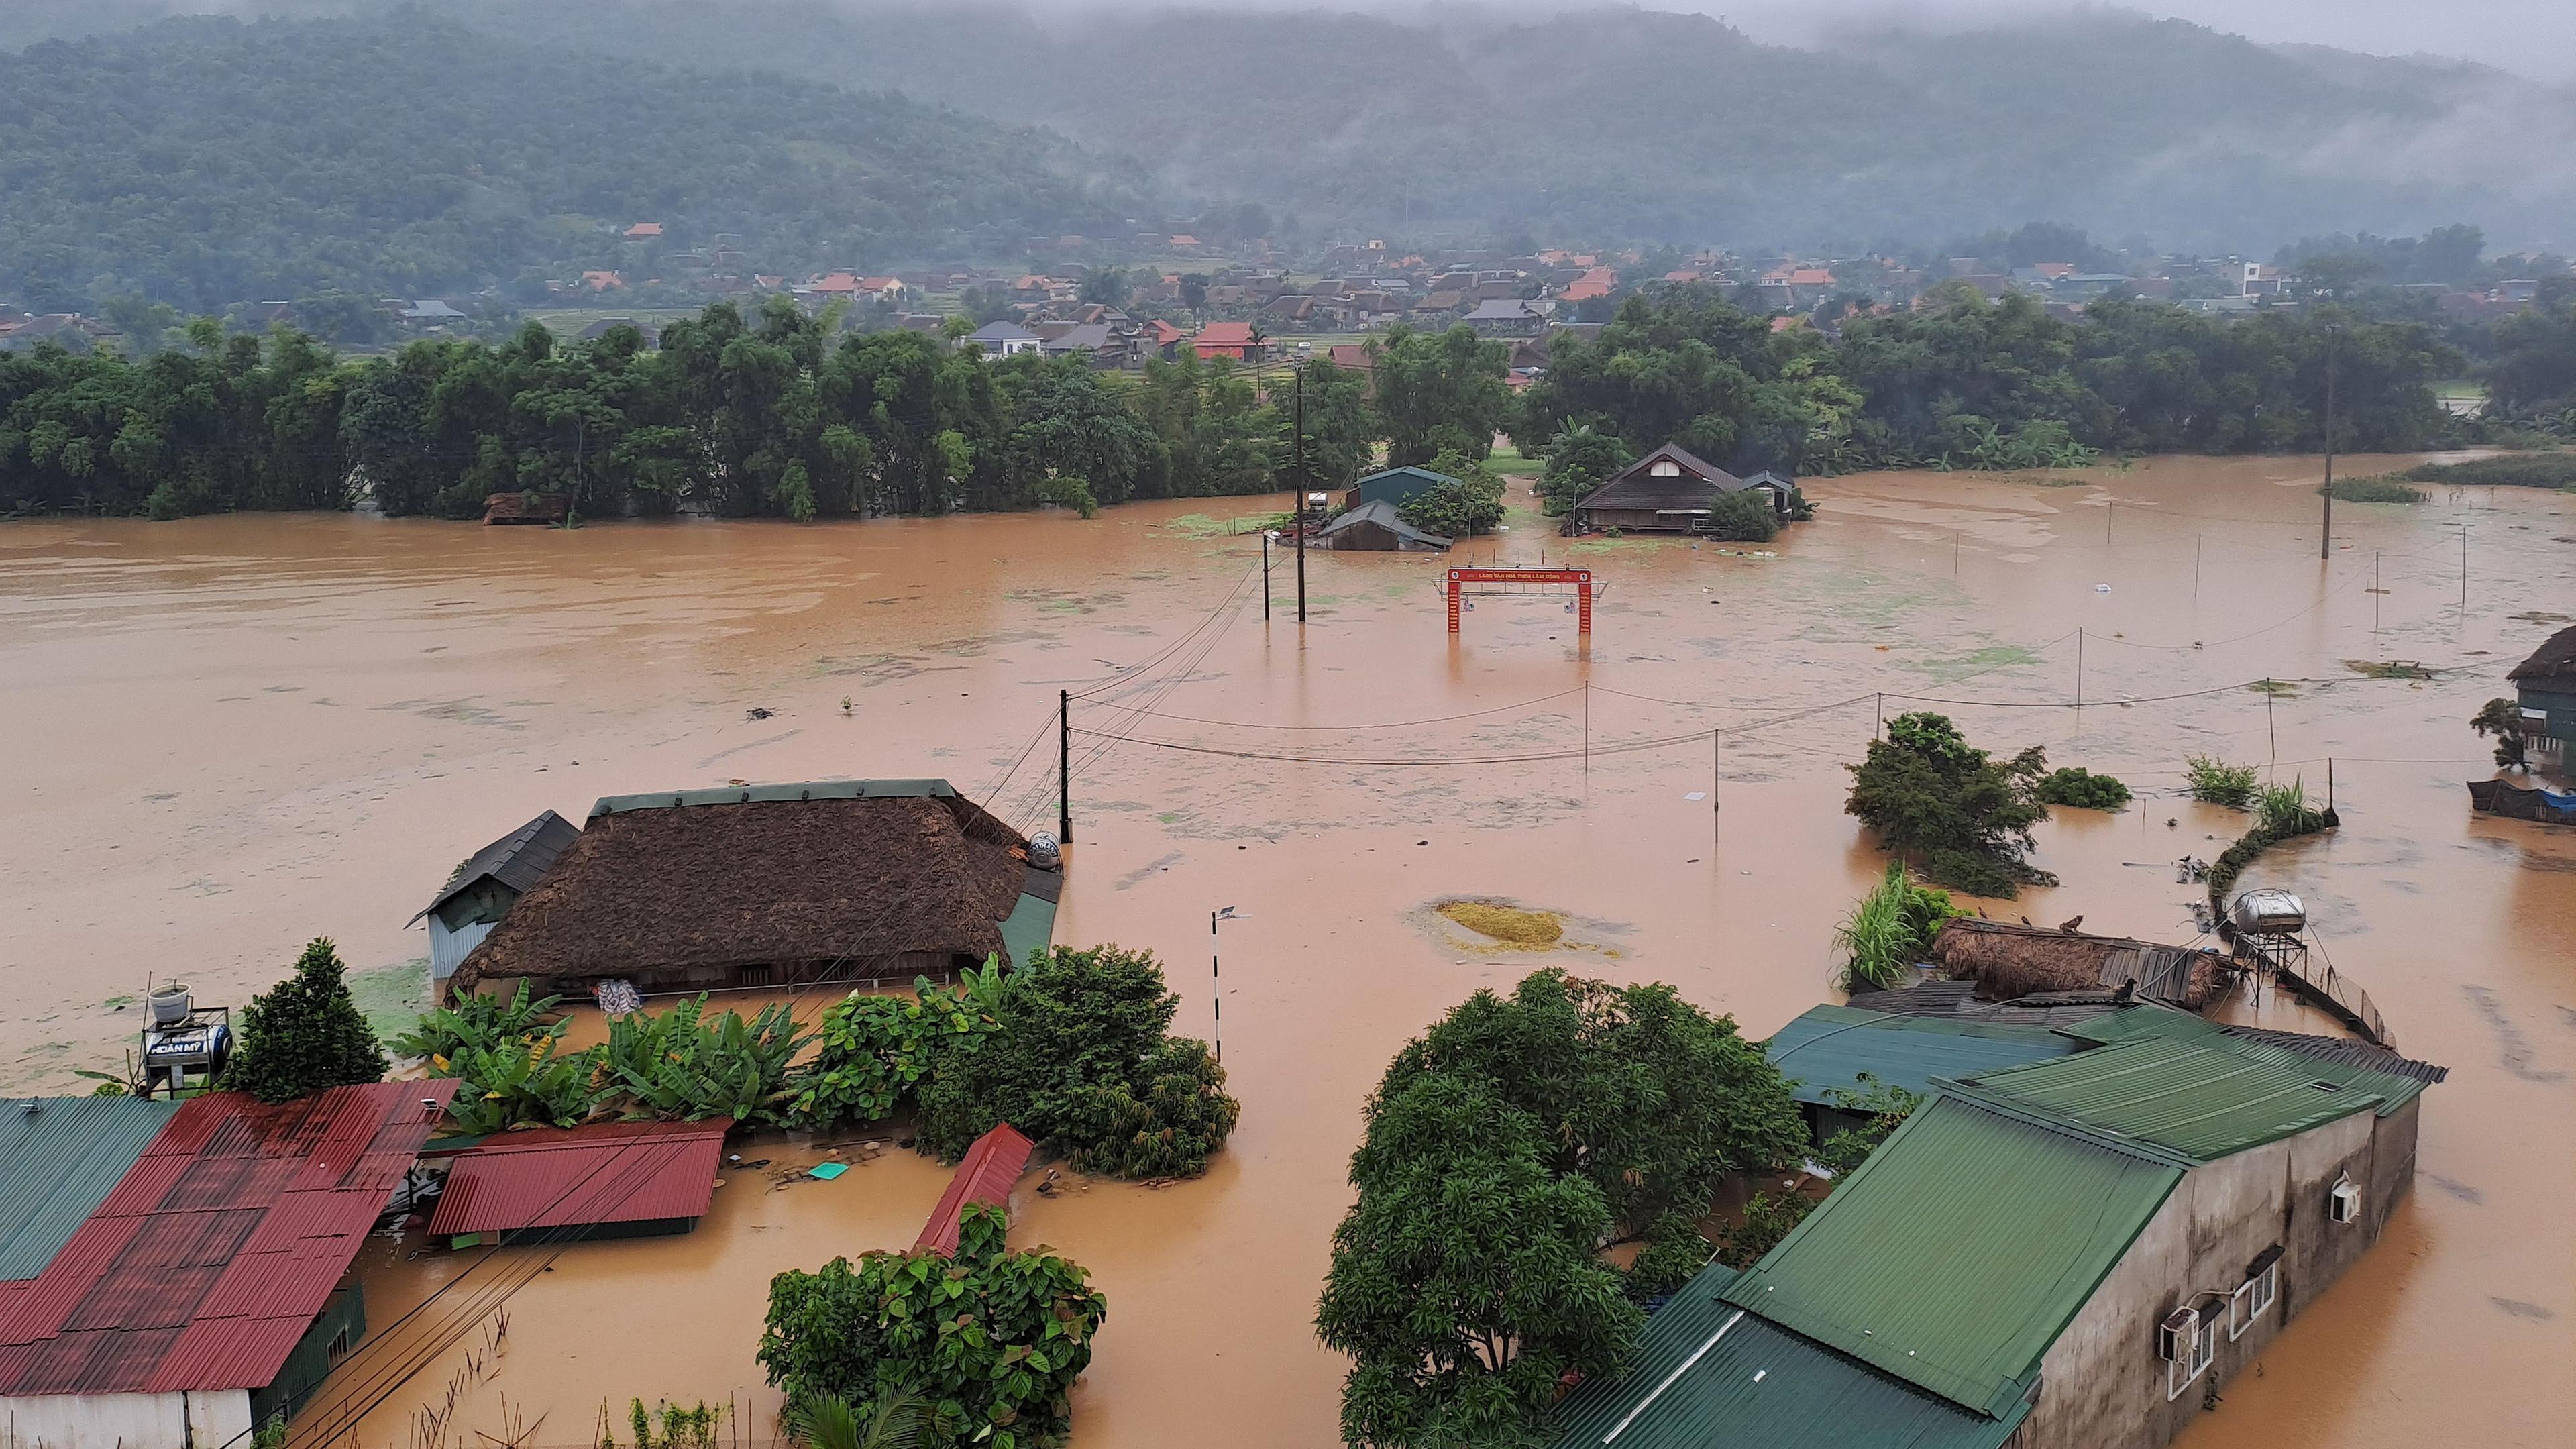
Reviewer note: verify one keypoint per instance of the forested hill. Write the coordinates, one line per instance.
(1613, 121)
(208, 161)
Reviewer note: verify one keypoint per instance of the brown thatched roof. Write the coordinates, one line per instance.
(2012, 961)
(777, 874)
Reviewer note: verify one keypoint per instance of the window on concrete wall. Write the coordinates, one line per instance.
(2251, 1300)
(2181, 1373)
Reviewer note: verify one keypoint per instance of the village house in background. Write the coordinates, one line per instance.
(1671, 491)
(748, 887)
(2075, 1252)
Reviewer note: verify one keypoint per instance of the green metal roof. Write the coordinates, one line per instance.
(1397, 485)
(59, 1159)
(2201, 1097)
(2399, 1080)
(751, 794)
(1709, 1373)
(1958, 1252)
(1031, 927)
(1827, 1048)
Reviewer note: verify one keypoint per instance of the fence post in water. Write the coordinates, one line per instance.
(2329, 783)
(1064, 766)
(2270, 734)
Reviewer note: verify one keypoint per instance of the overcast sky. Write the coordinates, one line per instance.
(2535, 37)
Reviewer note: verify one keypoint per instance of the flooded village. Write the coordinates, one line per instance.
(2152, 1189)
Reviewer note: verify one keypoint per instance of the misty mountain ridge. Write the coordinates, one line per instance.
(1672, 126)
(479, 139)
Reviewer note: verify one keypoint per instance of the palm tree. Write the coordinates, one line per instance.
(894, 1421)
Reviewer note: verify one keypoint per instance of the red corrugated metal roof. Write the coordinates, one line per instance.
(985, 1176)
(616, 1172)
(210, 1259)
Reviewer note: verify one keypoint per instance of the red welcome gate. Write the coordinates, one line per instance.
(1580, 578)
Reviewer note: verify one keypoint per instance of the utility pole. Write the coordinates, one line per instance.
(2195, 565)
(2271, 734)
(2325, 545)
(1064, 766)
(1216, 992)
(2079, 669)
(1716, 796)
(1265, 575)
(1300, 425)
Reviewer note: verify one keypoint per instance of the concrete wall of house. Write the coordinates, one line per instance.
(2103, 1384)
(126, 1421)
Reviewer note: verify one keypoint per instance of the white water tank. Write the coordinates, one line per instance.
(2268, 913)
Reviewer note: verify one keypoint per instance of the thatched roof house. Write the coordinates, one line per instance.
(773, 885)
(2010, 961)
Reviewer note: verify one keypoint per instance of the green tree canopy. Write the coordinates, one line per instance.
(1464, 1283)
(1081, 1059)
(1639, 1092)
(1962, 814)
(305, 1034)
(1438, 392)
(993, 1340)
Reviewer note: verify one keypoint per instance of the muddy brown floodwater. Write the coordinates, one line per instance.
(228, 735)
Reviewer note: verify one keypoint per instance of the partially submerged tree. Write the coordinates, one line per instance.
(1962, 814)
(992, 1339)
(2502, 718)
(1080, 1059)
(1465, 1282)
(305, 1034)
(1470, 506)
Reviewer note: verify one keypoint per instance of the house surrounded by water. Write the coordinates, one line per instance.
(2073, 1253)
(1672, 491)
(763, 886)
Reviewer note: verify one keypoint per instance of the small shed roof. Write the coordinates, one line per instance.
(1707, 1372)
(611, 1172)
(2554, 660)
(205, 1266)
(59, 1159)
(516, 860)
(985, 1175)
(1959, 1251)
(1826, 1049)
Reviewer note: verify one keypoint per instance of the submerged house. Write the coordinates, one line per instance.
(850, 881)
(1378, 527)
(2072, 1253)
(485, 887)
(208, 1292)
(578, 1184)
(1671, 491)
(2545, 687)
